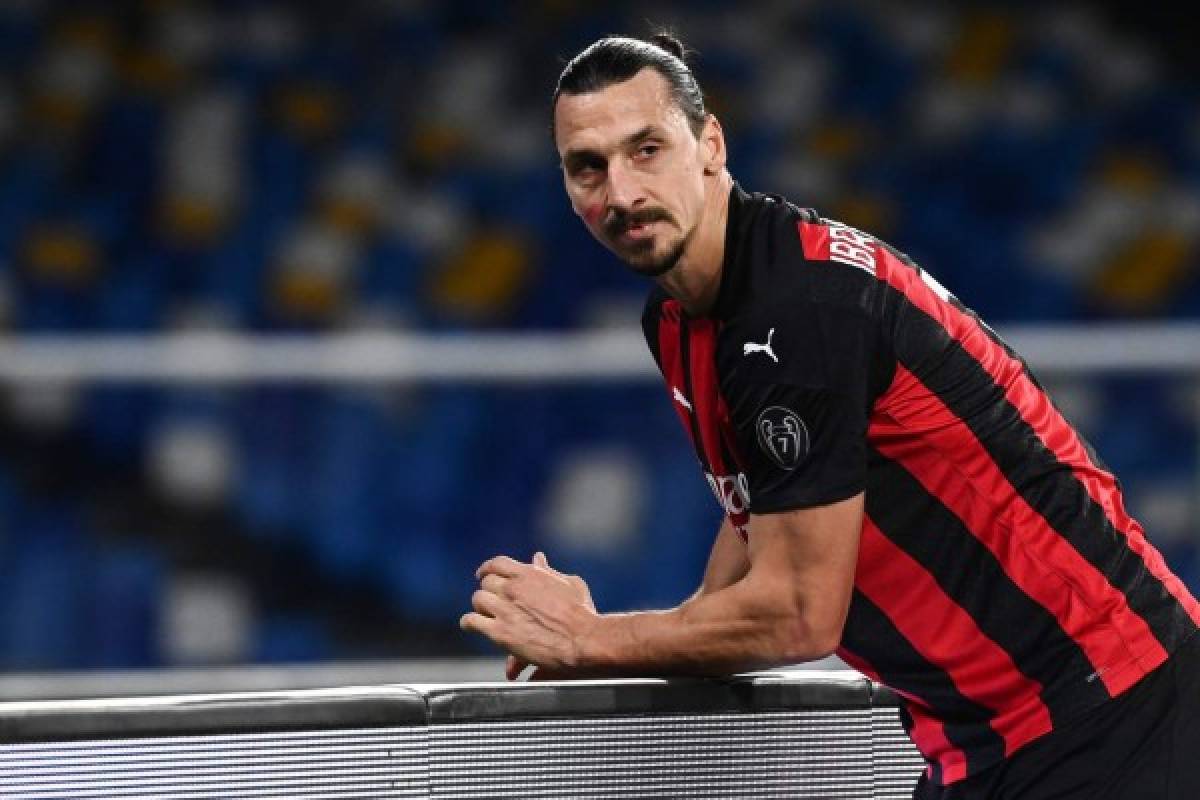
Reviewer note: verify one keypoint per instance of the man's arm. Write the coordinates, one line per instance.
(789, 606)
(728, 562)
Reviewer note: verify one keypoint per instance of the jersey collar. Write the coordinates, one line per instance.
(736, 229)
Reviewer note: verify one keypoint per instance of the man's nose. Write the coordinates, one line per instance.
(624, 190)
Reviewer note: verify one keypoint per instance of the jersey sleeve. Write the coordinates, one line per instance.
(801, 410)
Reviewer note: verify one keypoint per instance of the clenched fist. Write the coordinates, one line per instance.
(535, 613)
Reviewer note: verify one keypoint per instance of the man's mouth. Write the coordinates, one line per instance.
(637, 231)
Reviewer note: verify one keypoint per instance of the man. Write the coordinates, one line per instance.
(898, 487)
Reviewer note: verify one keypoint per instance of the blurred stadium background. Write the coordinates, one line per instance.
(309, 169)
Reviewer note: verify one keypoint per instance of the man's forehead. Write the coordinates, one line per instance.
(600, 120)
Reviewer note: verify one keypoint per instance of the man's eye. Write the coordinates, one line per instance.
(648, 150)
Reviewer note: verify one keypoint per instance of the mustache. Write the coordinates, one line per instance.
(620, 221)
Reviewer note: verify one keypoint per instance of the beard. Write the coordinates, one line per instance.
(642, 257)
(652, 265)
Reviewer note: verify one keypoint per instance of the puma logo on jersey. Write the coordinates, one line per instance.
(679, 398)
(755, 347)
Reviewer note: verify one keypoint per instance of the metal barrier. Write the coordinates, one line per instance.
(794, 734)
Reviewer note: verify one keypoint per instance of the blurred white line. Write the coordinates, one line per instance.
(522, 358)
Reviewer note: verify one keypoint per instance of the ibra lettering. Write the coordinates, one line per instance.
(851, 247)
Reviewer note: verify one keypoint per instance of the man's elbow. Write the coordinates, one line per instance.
(798, 625)
(809, 639)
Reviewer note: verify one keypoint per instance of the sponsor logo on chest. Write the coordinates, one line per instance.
(733, 495)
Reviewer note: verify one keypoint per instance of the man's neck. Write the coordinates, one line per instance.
(696, 279)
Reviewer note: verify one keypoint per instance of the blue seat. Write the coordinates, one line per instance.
(424, 499)
(274, 428)
(121, 619)
(346, 475)
(41, 621)
(283, 638)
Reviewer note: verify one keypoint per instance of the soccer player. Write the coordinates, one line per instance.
(898, 487)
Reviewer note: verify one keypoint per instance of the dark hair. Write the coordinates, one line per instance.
(616, 59)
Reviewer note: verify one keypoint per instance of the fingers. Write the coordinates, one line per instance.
(539, 560)
(487, 604)
(514, 666)
(507, 567)
(478, 623)
(496, 605)
(525, 609)
(503, 566)
(494, 584)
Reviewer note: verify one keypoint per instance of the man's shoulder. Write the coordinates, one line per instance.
(770, 219)
(779, 236)
(802, 257)
(767, 208)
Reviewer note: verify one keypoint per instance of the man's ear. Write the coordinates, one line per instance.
(712, 140)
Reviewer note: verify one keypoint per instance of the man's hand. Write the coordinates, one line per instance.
(532, 611)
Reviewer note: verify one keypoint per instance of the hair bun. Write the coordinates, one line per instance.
(669, 43)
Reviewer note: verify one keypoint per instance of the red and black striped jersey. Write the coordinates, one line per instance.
(1001, 587)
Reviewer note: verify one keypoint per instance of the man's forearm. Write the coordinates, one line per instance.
(731, 630)
(790, 605)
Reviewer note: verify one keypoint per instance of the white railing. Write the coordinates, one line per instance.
(522, 358)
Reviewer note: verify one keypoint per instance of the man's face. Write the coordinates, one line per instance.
(633, 169)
